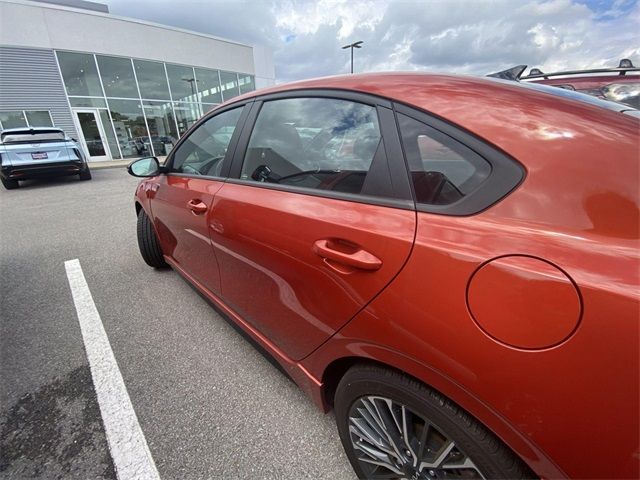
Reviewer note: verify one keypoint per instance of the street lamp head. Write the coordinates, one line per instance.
(354, 45)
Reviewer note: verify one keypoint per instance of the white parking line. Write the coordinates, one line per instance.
(129, 450)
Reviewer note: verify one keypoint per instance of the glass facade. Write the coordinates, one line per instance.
(144, 105)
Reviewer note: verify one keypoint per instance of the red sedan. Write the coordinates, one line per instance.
(450, 263)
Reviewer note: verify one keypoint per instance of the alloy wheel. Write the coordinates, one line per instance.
(391, 441)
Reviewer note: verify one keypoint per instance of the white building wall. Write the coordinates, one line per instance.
(32, 24)
(264, 69)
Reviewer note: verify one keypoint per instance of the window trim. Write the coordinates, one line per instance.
(505, 176)
(389, 136)
(246, 107)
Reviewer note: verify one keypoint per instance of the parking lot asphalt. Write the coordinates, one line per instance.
(209, 404)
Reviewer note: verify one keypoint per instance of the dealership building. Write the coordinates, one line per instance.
(122, 87)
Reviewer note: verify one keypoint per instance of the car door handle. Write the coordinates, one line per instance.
(347, 254)
(197, 206)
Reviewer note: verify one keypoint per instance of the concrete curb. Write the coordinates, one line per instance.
(111, 164)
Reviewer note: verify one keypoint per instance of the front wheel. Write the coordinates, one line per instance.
(394, 427)
(148, 242)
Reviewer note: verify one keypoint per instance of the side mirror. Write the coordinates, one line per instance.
(144, 167)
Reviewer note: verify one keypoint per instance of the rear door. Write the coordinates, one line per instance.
(182, 198)
(317, 219)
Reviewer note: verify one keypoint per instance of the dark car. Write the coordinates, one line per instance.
(621, 84)
(39, 152)
(456, 276)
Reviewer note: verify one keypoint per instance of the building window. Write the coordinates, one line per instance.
(79, 74)
(39, 118)
(130, 129)
(12, 119)
(182, 82)
(247, 83)
(229, 83)
(165, 98)
(25, 118)
(111, 135)
(152, 80)
(87, 102)
(117, 77)
(162, 126)
(186, 115)
(208, 85)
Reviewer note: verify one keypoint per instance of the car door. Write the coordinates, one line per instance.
(317, 218)
(183, 197)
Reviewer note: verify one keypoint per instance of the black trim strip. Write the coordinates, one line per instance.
(351, 197)
(337, 93)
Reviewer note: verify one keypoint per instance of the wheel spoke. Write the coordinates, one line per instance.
(360, 431)
(408, 433)
(465, 464)
(423, 440)
(391, 427)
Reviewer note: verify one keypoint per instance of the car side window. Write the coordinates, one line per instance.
(443, 170)
(317, 143)
(202, 153)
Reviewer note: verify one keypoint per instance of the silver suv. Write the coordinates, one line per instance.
(39, 152)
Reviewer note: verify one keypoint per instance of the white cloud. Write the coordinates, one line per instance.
(464, 36)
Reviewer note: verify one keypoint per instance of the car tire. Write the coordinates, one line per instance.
(86, 174)
(369, 396)
(9, 184)
(148, 242)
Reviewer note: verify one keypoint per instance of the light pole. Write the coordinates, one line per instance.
(352, 46)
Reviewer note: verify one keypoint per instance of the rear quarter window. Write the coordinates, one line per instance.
(442, 169)
(451, 170)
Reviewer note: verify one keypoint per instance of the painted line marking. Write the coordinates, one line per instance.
(129, 450)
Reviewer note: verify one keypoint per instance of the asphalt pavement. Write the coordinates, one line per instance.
(208, 403)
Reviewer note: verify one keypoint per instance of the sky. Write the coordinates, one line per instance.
(455, 36)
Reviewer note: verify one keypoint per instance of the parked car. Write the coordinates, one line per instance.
(39, 152)
(450, 263)
(621, 84)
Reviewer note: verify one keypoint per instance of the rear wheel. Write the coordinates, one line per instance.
(148, 242)
(393, 426)
(9, 184)
(86, 174)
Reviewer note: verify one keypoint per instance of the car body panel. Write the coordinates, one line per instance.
(264, 240)
(183, 234)
(578, 210)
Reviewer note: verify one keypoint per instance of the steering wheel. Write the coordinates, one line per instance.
(212, 167)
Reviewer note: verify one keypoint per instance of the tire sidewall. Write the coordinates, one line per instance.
(422, 401)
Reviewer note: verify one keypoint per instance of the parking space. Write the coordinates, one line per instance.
(209, 405)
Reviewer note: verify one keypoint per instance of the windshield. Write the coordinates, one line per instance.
(32, 136)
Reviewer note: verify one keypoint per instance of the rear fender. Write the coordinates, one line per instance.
(331, 361)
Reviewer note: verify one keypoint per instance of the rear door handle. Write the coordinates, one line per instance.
(197, 206)
(346, 254)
